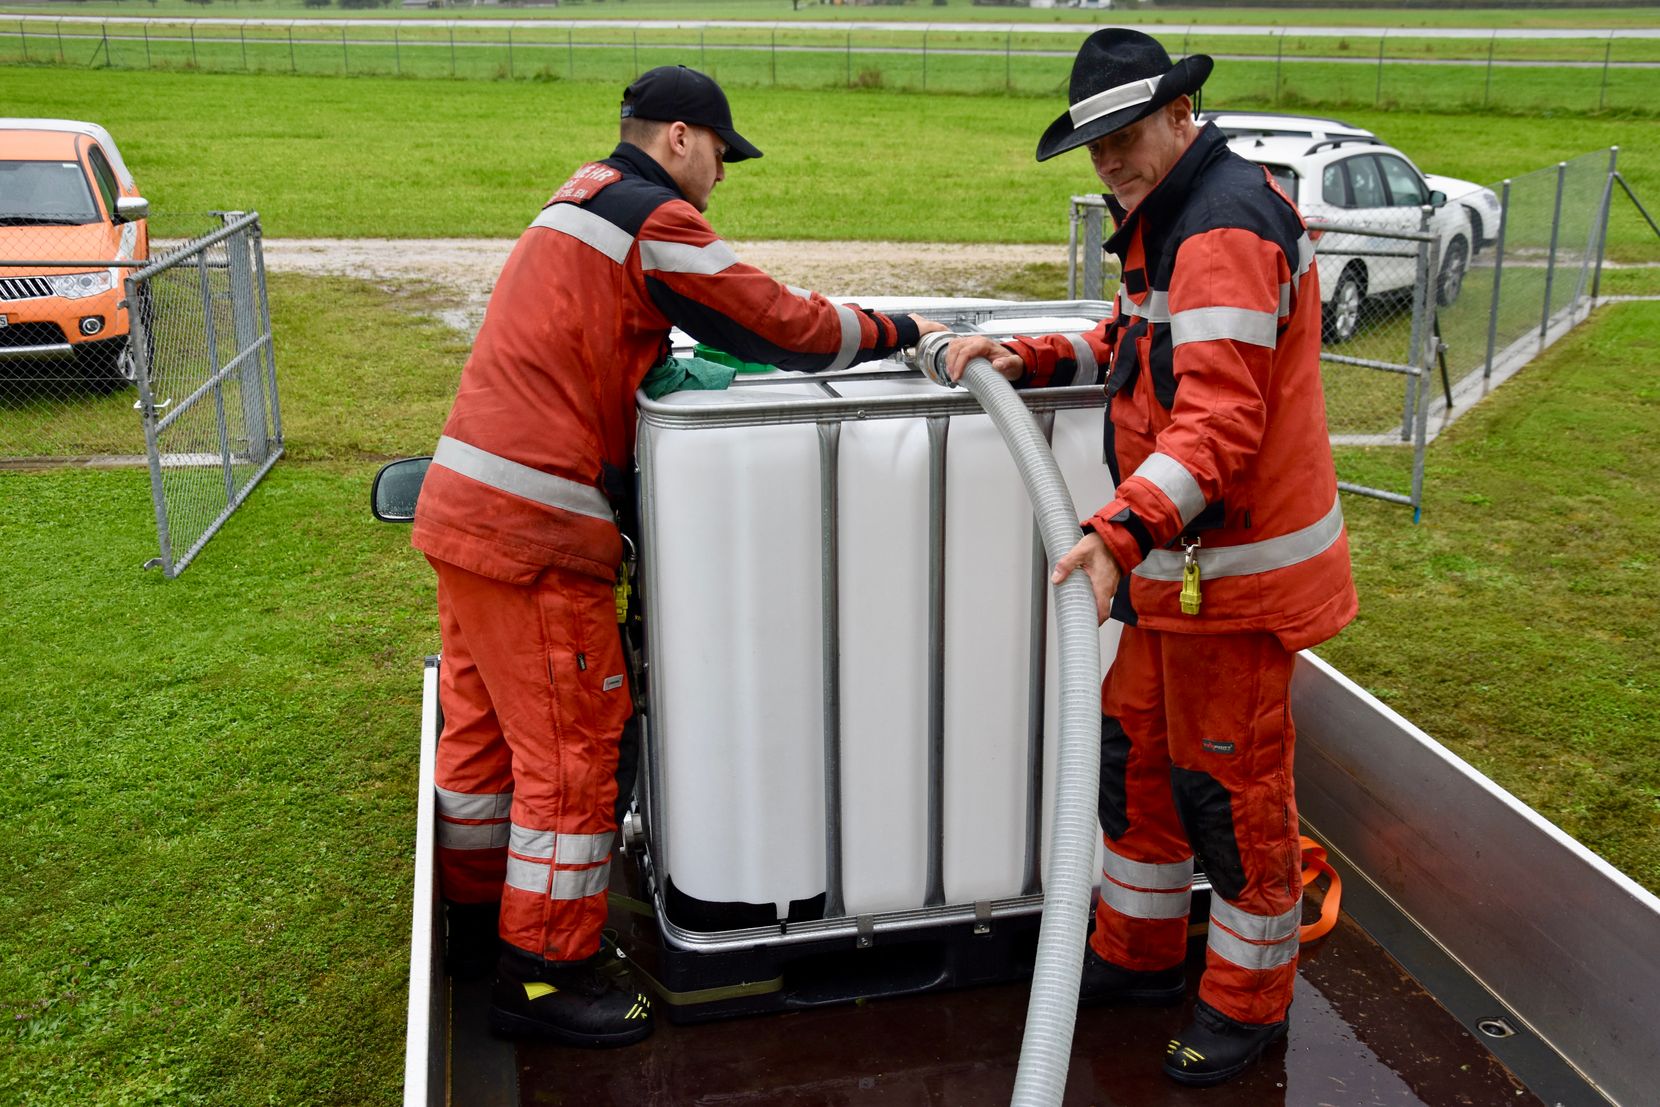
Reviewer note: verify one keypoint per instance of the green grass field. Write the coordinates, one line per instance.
(413, 159)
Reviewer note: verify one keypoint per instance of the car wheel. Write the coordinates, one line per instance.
(1453, 266)
(1342, 315)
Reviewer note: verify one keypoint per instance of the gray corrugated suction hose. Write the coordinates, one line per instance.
(1046, 1050)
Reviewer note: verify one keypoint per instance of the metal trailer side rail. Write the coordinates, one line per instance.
(426, 1046)
(1555, 933)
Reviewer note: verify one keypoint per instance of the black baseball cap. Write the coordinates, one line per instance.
(675, 94)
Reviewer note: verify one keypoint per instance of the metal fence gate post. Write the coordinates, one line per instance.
(239, 258)
(1072, 253)
(1425, 357)
(1498, 275)
(1550, 261)
(1607, 210)
(1415, 391)
(265, 322)
(140, 345)
(1093, 278)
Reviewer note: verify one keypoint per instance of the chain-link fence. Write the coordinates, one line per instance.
(1377, 321)
(1419, 324)
(113, 352)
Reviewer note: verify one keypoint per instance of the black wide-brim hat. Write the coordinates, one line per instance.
(1118, 77)
(674, 93)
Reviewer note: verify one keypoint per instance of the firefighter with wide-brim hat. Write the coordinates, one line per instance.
(1223, 549)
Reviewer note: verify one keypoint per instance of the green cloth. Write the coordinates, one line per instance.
(679, 374)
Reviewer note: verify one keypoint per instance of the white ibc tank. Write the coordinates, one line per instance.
(738, 691)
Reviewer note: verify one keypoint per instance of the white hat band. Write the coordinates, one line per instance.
(1114, 99)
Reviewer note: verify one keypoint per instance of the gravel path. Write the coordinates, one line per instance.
(468, 266)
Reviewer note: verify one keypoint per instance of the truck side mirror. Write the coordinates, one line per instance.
(397, 486)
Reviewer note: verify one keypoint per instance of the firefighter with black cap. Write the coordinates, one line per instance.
(517, 516)
(1223, 550)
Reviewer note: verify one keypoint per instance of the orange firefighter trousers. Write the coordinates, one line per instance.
(1196, 759)
(535, 694)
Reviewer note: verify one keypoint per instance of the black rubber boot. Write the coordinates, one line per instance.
(470, 943)
(1105, 982)
(582, 1003)
(1215, 1048)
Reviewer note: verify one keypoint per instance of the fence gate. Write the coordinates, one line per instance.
(207, 383)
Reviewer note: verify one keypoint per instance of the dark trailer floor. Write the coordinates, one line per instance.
(1363, 1031)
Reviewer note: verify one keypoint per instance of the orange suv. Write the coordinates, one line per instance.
(66, 199)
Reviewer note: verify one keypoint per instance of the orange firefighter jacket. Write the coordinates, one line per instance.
(580, 314)
(1216, 427)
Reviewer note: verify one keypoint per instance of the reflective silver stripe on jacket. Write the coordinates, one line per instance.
(1155, 308)
(683, 257)
(521, 480)
(467, 805)
(1256, 928)
(850, 337)
(1285, 299)
(1251, 955)
(471, 835)
(584, 226)
(1305, 254)
(1172, 478)
(1147, 905)
(1208, 324)
(1172, 876)
(1250, 557)
(1087, 365)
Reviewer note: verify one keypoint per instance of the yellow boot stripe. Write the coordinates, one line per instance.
(536, 989)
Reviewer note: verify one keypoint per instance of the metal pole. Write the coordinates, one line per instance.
(148, 64)
(1550, 262)
(510, 52)
(452, 51)
(1377, 94)
(1607, 210)
(293, 66)
(925, 60)
(109, 61)
(1602, 96)
(702, 62)
(1008, 60)
(1414, 382)
(242, 36)
(1072, 253)
(850, 59)
(265, 322)
(1488, 92)
(829, 439)
(345, 58)
(397, 52)
(1498, 275)
(775, 56)
(60, 42)
(23, 38)
(1426, 364)
(193, 44)
(570, 51)
(636, 51)
(1279, 60)
(139, 343)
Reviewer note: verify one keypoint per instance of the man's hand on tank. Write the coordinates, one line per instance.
(926, 326)
(1091, 555)
(966, 349)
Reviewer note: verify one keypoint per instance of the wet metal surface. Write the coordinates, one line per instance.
(1362, 1033)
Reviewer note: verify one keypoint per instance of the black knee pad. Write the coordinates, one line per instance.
(1115, 763)
(1206, 812)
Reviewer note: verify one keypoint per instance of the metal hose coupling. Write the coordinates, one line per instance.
(928, 357)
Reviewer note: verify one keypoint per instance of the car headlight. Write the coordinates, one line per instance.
(76, 286)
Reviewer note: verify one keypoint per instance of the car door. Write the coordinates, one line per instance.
(1390, 262)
